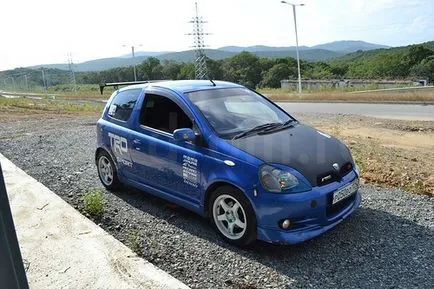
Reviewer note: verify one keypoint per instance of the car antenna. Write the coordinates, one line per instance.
(213, 83)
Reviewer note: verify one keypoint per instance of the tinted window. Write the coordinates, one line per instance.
(161, 113)
(234, 110)
(123, 104)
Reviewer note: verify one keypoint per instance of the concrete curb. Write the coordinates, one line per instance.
(64, 249)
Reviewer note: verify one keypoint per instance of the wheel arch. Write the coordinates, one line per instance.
(100, 149)
(212, 187)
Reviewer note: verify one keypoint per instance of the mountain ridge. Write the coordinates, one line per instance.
(321, 52)
(346, 46)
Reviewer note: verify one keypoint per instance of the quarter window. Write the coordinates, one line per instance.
(123, 104)
(162, 113)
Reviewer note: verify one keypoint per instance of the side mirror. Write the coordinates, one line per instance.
(184, 134)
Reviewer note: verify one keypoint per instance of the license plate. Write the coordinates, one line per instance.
(346, 191)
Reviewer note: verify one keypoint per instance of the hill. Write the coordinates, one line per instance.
(218, 54)
(259, 48)
(96, 65)
(321, 52)
(189, 56)
(253, 69)
(145, 53)
(344, 46)
(348, 46)
(308, 54)
(369, 55)
(412, 61)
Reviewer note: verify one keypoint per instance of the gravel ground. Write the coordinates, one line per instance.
(388, 243)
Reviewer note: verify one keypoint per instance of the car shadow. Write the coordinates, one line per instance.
(372, 248)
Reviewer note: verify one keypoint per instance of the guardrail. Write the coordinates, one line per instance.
(394, 89)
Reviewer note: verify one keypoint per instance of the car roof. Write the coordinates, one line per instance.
(182, 86)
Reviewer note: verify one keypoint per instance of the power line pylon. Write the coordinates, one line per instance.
(201, 70)
(72, 80)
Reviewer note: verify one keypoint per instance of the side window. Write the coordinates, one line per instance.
(161, 113)
(123, 104)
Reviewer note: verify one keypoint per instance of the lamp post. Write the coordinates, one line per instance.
(44, 82)
(296, 41)
(12, 82)
(27, 82)
(134, 62)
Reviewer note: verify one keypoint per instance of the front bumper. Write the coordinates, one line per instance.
(311, 213)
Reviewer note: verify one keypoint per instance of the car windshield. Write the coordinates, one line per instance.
(231, 111)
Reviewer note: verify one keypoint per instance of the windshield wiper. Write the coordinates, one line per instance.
(257, 129)
(282, 126)
(289, 122)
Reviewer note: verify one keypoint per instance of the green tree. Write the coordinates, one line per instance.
(187, 71)
(151, 69)
(425, 69)
(339, 69)
(243, 68)
(276, 73)
(170, 69)
(214, 68)
(416, 54)
(320, 70)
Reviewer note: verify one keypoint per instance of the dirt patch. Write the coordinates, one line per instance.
(393, 138)
(393, 153)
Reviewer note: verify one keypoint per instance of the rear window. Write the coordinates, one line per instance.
(123, 104)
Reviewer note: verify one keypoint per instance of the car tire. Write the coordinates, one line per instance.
(232, 215)
(107, 172)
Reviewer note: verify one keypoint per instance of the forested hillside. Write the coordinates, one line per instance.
(414, 61)
(393, 63)
(321, 52)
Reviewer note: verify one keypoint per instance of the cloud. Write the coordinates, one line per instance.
(421, 24)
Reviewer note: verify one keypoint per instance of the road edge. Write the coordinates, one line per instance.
(54, 237)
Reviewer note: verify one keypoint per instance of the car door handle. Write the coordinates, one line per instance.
(136, 141)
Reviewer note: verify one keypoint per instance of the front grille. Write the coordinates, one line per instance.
(334, 176)
(336, 208)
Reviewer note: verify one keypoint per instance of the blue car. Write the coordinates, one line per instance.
(230, 154)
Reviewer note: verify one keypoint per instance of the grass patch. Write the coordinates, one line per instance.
(45, 105)
(94, 202)
(134, 241)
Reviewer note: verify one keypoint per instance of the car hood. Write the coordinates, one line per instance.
(301, 147)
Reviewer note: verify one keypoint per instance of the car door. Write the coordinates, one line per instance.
(116, 131)
(158, 160)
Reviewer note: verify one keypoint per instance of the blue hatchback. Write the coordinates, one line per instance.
(230, 154)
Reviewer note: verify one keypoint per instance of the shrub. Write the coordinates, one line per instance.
(94, 202)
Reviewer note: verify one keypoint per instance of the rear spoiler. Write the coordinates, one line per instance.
(117, 84)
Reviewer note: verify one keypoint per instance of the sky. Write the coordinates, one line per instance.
(45, 31)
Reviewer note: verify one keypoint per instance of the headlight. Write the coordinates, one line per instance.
(276, 180)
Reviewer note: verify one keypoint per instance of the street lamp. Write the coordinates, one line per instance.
(134, 62)
(296, 41)
(12, 81)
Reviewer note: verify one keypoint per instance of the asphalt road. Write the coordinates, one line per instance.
(394, 111)
(387, 243)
